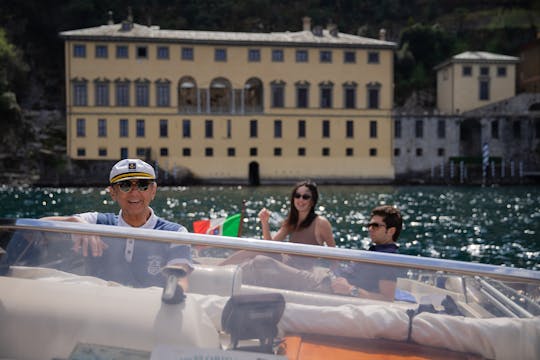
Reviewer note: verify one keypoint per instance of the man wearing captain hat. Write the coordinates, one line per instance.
(135, 263)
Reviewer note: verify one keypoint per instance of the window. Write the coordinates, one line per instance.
(495, 129)
(142, 93)
(142, 52)
(164, 151)
(208, 129)
(163, 128)
(231, 152)
(441, 129)
(123, 128)
(277, 55)
(484, 90)
(326, 95)
(501, 71)
(349, 129)
(253, 129)
(102, 127)
(373, 57)
(301, 56)
(419, 152)
(81, 127)
(186, 128)
(102, 93)
(373, 97)
(419, 129)
(209, 152)
(349, 57)
(349, 152)
(372, 152)
(123, 153)
(466, 70)
(301, 128)
(516, 129)
(325, 56)
(373, 129)
(79, 50)
(254, 55)
(220, 55)
(187, 53)
(80, 95)
(484, 71)
(301, 151)
(397, 129)
(102, 152)
(81, 152)
(229, 128)
(440, 152)
(397, 152)
(163, 94)
(325, 151)
(186, 151)
(163, 52)
(122, 52)
(278, 129)
(122, 94)
(141, 152)
(277, 151)
(350, 96)
(326, 128)
(278, 94)
(302, 95)
(253, 151)
(102, 51)
(140, 128)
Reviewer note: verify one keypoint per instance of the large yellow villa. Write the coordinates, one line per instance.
(257, 107)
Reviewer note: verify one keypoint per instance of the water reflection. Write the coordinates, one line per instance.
(491, 225)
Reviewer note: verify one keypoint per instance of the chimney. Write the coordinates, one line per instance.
(332, 29)
(382, 34)
(110, 21)
(306, 20)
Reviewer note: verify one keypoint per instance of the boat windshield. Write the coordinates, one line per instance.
(79, 288)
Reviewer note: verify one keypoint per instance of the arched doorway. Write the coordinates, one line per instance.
(254, 178)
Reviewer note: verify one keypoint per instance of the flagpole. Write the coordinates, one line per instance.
(241, 218)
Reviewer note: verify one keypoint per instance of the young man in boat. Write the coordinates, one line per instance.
(371, 280)
(365, 280)
(135, 263)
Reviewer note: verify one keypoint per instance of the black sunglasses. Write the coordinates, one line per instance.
(303, 196)
(127, 185)
(375, 225)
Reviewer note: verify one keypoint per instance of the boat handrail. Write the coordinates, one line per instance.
(404, 261)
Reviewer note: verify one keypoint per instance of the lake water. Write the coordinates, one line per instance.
(495, 225)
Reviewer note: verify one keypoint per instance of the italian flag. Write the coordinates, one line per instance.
(229, 226)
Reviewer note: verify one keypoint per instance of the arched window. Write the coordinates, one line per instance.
(253, 96)
(220, 96)
(187, 95)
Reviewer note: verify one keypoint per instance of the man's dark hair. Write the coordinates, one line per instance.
(391, 217)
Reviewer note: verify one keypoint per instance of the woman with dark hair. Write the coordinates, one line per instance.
(302, 225)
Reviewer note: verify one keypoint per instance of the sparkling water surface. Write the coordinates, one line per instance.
(495, 225)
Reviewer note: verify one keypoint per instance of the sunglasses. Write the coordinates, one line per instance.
(375, 225)
(303, 196)
(127, 185)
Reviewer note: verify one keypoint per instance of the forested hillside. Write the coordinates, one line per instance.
(427, 32)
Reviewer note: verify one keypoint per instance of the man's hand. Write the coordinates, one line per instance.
(84, 243)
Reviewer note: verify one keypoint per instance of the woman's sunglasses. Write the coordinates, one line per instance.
(303, 196)
(127, 185)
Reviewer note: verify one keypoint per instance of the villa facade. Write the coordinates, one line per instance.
(258, 107)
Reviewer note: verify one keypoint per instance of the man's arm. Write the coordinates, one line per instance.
(386, 292)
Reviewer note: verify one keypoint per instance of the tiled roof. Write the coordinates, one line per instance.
(154, 33)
